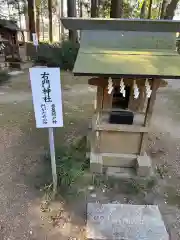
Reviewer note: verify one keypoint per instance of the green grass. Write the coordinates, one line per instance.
(71, 165)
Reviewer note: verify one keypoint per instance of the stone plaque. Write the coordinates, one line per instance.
(125, 222)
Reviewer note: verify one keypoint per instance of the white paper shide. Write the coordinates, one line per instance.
(47, 97)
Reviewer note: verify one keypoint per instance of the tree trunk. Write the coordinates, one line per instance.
(94, 9)
(27, 26)
(59, 27)
(143, 10)
(42, 24)
(116, 8)
(62, 15)
(8, 7)
(170, 10)
(159, 11)
(38, 21)
(163, 8)
(19, 14)
(31, 18)
(149, 9)
(20, 21)
(50, 20)
(77, 8)
(81, 9)
(71, 12)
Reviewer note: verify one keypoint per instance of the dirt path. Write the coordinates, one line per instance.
(164, 148)
(24, 171)
(19, 159)
(23, 168)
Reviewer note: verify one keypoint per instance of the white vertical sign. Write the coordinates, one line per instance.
(47, 101)
(47, 97)
(35, 39)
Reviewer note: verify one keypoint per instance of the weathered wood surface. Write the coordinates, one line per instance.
(148, 115)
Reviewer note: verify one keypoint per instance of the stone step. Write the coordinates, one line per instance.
(119, 160)
(118, 172)
(124, 221)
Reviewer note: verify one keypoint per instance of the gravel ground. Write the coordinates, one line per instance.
(23, 170)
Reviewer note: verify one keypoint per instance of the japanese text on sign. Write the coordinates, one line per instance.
(46, 87)
(47, 99)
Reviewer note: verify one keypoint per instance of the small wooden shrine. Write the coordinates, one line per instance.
(127, 60)
(9, 40)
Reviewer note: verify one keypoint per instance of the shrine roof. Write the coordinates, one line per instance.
(141, 48)
(9, 24)
(121, 24)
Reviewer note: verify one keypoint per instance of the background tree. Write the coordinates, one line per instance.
(16, 8)
(50, 20)
(62, 15)
(38, 10)
(8, 7)
(71, 12)
(81, 8)
(94, 8)
(48, 11)
(16, 5)
(20, 11)
(42, 22)
(116, 9)
(143, 10)
(170, 10)
(149, 9)
(31, 18)
(163, 8)
(87, 7)
(105, 8)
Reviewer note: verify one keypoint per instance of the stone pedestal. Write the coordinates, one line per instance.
(144, 166)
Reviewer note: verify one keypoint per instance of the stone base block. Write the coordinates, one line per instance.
(119, 160)
(96, 163)
(143, 166)
(118, 172)
(96, 168)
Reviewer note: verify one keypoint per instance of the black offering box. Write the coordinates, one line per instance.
(121, 117)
